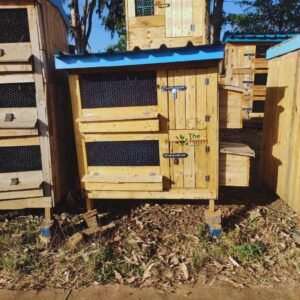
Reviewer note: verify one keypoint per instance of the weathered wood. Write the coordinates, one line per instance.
(280, 166)
(23, 118)
(174, 24)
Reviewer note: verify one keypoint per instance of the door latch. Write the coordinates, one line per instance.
(175, 156)
(164, 5)
(9, 117)
(2, 52)
(174, 89)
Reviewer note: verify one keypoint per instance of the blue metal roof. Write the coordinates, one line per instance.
(57, 3)
(145, 57)
(285, 47)
(256, 38)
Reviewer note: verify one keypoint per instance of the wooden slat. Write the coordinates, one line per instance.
(236, 149)
(16, 78)
(120, 126)
(144, 22)
(26, 180)
(17, 68)
(119, 114)
(22, 117)
(20, 194)
(121, 137)
(118, 171)
(39, 202)
(18, 132)
(191, 194)
(26, 141)
(123, 186)
(122, 178)
(16, 52)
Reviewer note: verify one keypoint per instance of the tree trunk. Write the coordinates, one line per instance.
(217, 21)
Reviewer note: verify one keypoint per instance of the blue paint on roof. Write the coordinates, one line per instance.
(287, 46)
(256, 38)
(139, 58)
(58, 5)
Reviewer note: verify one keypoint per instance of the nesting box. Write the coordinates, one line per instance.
(245, 66)
(147, 123)
(281, 135)
(33, 161)
(172, 23)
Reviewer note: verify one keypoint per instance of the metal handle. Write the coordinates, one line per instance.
(164, 5)
(14, 181)
(9, 117)
(2, 52)
(175, 156)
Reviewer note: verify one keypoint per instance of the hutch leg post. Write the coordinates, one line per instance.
(213, 219)
(89, 204)
(48, 214)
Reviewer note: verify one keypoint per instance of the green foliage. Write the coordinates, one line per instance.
(120, 46)
(266, 16)
(247, 252)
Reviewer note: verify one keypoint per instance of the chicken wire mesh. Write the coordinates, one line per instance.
(20, 159)
(14, 26)
(17, 95)
(144, 8)
(118, 89)
(123, 153)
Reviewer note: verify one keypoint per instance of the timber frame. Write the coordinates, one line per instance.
(32, 62)
(172, 23)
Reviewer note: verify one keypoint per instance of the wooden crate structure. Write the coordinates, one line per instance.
(173, 23)
(35, 148)
(281, 136)
(147, 123)
(245, 66)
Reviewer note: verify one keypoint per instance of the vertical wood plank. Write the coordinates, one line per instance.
(179, 79)
(191, 99)
(164, 162)
(201, 94)
(172, 118)
(176, 18)
(162, 99)
(213, 130)
(77, 113)
(130, 8)
(187, 17)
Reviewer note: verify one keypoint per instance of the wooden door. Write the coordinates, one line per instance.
(179, 18)
(192, 115)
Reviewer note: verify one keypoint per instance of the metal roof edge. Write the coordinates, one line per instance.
(58, 5)
(145, 57)
(284, 48)
(230, 37)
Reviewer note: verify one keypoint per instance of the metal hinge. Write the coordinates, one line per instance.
(206, 81)
(207, 149)
(193, 27)
(207, 178)
(207, 118)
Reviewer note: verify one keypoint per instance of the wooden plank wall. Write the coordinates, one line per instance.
(172, 25)
(281, 138)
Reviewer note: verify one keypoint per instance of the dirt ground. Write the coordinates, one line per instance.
(197, 292)
(159, 250)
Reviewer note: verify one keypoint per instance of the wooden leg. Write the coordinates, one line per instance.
(89, 204)
(48, 214)
(211, 205)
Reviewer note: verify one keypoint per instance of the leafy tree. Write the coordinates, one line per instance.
(267, 16)
(120, 46)
(81, 19)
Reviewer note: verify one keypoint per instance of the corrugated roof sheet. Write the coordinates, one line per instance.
(230, 37)
(287, 46)
(139, 58)
(57, 3)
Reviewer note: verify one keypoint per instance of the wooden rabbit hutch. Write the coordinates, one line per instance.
(35, 149)
(281, 137)
(147, 124)
(245, 67)
(173, 23)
